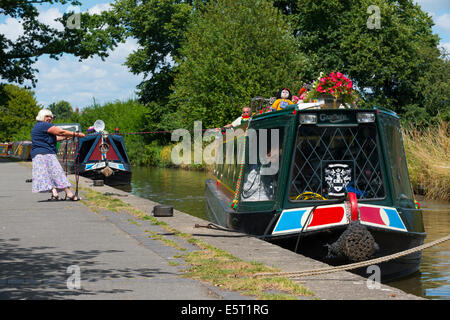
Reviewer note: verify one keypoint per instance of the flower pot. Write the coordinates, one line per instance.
(329, 101)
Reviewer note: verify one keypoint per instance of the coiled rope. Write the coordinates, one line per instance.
(298, 274)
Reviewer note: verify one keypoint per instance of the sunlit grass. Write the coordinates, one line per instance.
(221, 269)
(428, 157)
(208, 264)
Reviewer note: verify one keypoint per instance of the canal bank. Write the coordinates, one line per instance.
(61, 250)
(333, 286)
(43, 244)
(185, 191)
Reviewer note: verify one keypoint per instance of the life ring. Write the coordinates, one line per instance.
(351, 197)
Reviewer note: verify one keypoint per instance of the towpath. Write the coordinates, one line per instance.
(45, 246)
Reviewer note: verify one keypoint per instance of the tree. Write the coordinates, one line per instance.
(158, 26)
(18, 110)
(234, 50)
(389, 63)
(61, 109)
(432, 90)
(95, 35)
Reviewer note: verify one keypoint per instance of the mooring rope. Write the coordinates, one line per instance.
(76, 164)
(221, 129)
(313, 272)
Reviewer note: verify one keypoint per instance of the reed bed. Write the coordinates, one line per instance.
(428, 157)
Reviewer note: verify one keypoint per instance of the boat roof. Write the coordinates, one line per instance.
(316, 106)
(69, 126)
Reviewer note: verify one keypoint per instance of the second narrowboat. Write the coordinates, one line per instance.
(98, 156)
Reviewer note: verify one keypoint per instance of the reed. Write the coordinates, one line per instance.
(428, 157)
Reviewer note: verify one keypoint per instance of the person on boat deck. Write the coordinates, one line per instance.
(246, 113)
(284, 97)
(47, 173)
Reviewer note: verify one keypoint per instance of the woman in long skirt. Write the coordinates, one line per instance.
(48, 175)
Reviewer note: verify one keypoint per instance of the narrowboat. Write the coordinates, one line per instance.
(98, 156)
(330, 183)
(21, 150)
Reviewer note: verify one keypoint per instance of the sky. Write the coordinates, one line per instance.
(106, 81)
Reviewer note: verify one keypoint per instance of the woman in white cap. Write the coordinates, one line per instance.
(48, 175)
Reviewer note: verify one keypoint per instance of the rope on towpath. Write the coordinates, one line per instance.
(298, 274)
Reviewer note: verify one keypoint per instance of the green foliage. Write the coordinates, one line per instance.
(159, 26)
(234, 50)
(432, 95)
(61, 109)
(18, 111)
(222, 53)
(393, 65)
(161, 118)
(128, 116)
(152, 154)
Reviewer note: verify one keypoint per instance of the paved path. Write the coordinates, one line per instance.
(40, 240)
(44, 244)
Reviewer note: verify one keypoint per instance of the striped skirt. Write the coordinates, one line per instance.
(48, 174)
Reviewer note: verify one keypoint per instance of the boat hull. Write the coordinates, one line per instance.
(117, 178)
(315, 243)
(219, 212)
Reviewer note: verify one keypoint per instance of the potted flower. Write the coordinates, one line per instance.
(334, 89)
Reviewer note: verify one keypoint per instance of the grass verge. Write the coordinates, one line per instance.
(428, 157)
(224, 270)
(208, 264)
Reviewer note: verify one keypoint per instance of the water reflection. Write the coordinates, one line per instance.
(185, 190)
(433, 281)
(182, 189)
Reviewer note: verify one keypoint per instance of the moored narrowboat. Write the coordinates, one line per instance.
(332, 184)
(98, 156)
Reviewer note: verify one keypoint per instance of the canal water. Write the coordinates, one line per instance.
(185, 190)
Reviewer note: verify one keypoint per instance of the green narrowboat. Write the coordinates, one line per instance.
(332, 182)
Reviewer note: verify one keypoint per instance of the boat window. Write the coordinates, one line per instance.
(120, 148)
(85, 147)
(397, 160)
(228, 159)
(263, 159)
(328, 161)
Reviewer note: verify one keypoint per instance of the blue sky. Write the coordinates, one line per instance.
(109, 80)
